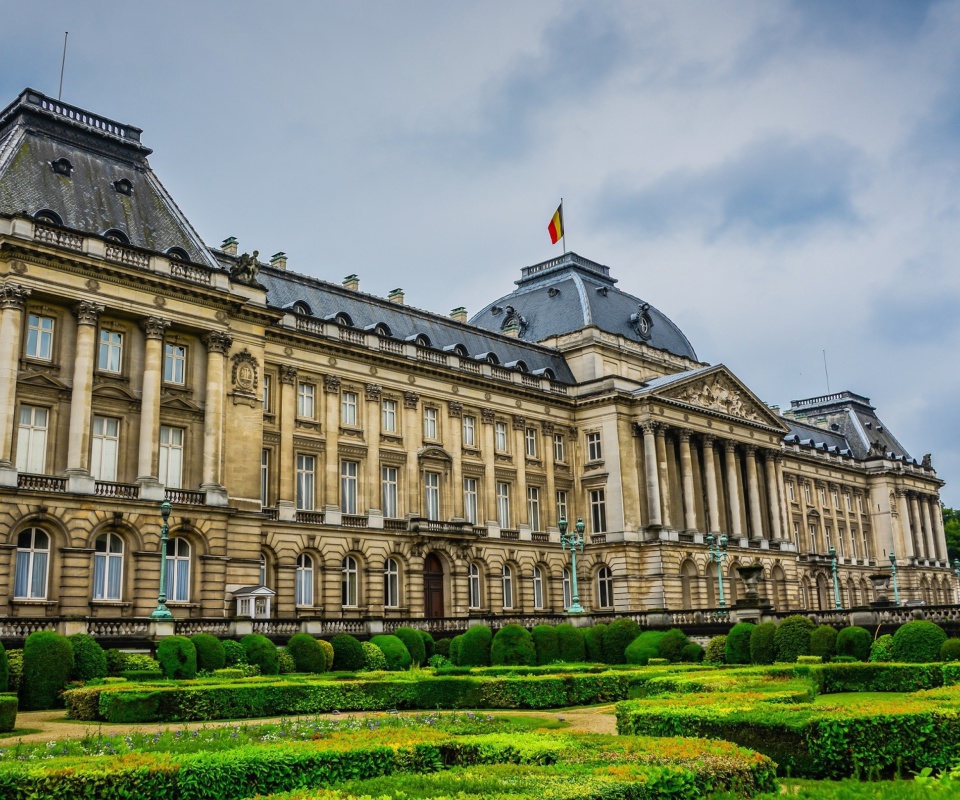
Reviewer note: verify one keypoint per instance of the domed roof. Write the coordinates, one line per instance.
(569, 293)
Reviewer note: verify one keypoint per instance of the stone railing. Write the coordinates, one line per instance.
(353, 521)
(110, 628)
(125, 255)
(310, 517)
(190, 627)
(60, 238)
(42, 483)
(21, 627)
(189, 272)
(276, 627)
(121, 491)
(185, 497)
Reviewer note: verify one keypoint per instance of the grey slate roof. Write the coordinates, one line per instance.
(570, 293)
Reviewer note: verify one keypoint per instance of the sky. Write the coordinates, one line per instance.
(780, 178)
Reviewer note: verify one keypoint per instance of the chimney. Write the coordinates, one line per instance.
(512, 328)
(351, 282)
(229, 245)
(396, 296)
(279, 260)
(459, 314)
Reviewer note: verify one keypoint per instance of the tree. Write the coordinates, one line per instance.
(951, 527)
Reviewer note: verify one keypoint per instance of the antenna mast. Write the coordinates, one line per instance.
(63, 63)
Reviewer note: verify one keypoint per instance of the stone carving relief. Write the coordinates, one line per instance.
(717, 394)
(245, 372)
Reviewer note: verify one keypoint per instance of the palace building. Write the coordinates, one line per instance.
(333, 457)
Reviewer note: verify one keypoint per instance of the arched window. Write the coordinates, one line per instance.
(604, 588)
(779, 591)
(33, 559)
(116, 235)
(301, 307)
(804, 593)
(473, 584)
(178, 254)
(537, 588)
(178, 570)
(48, 217)
(689, 585)
(506, 581)
(304, 580)
(567, 589)
(108, 567)
(391, 583)
(349, 582)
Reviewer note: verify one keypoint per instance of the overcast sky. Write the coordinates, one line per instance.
(779, 178)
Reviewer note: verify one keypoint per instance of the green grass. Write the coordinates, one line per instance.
(854, 699)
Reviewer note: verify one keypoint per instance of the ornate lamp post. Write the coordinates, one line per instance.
(161, 611)
(718, 554)
(956, 571)
(893, 573)
(573, 541)
(836, 584)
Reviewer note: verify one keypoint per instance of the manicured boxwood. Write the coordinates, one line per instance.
(8, 712)
(950, 650)
(546, 643)
(5, 670)
(395, 651)
(373, 658)
(413, 641)
(47, 666)
(142, 675)
(441, 647)
(738, 643)
(228, 674)
(347, 653)
(285, 663)
(882, 648)
(761, 643)
(327, 652)
(513, 646)
(474, 647)
(823, 642)
(644, 647)
(918, 642)
(593, 641)
(89, 658)
(671, 645)
(261, 651)
(178, 658)
(855, 642)
(210, 653)
(570, 640)
(14, 670)
(233, 653)
(716, 652)
(455, 649)
(618, 635)
(693, 653)
(792, 638)
(429, 645)
(307, 654)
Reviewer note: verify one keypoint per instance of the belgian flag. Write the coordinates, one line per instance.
(555, 228)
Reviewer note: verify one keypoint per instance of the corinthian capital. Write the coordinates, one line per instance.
(288, 373)
(154, 327)
(87, 312)
(218, 342)
(13, 295)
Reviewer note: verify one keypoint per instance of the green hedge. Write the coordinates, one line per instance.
(918, 642)
(233, 653)
(429, 645)
(327, 652)
(89, 658)
(792, 638)
(47, 666)
(882, 649)
(716, 652)
(762, 650)
(373, 658)
(177, 657)
(473, 647)
(210, 653)
(616, 638)
(593, 642)
(260, 651)
(414, 643)
(671, 645)
(307, 654)
(546, 642)
(8, 712)
(347, 653)
(823, 642)
(950, 650)
(855, 642)
(570, 640)
(644, 647)
(513, 646)
(693, 653)
(394, 650)
(737, 648)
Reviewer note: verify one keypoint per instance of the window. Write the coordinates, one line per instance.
(349, 582)
(806, 494)
(567, 589)
(470, 500)
(562, 506)
(306, 400)
(559, 448)
(796, 532)
(841, 537)
(836, 499)
(110, 356)
(604, 587)
(388, 416)
(391, 583)
(178, 570)
(388, 489)
(348, 408)
(530, 441)
(263, 570)
(506, 581)
(32, 439)
(171, 456)
(264, 478)
(791, 492)
(503, 504)
(853, 544)
(306, 481)
(598, 511)
(533, 507)
(304, 580)
(429, 423)
(104, 446)
(267, 391)
(860, 503)
(812, 532)
(108, 567)
(348, 487)
(469, 431)
(431, 491)
(174, 363)
(828, 535)
(33, 558)
(823, 497)
(473, 586)
(846, 500)
(500, 436)
(39, 337)
(594, 450)
(537, 588)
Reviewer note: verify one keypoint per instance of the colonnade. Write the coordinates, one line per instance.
(921, 526)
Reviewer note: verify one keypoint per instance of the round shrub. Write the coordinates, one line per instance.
(441, 647)
(475, 647)
(761, 643)
(285, 663)
(429, 645)
(178, 658)
(570, 641)
(716, 650)
(950, 650)
(693, 653)
(854, 641)
(307, 654)
(327, 652)
(347, 653)
(792, 638)
(882, 649)
(918, 642)
(47, 665)
(823, 642)
(14, 670)
(233, 653)
(395, 651)
(513, 647)
(738, 643)
(5, 669)
(671, 645)
(373, 658)
(618, 635)
(454, 653)
(593, 641)
(210, 653)
(261, 652)
(546, 643)
(643, 647)
(89, 658)
(414, 644)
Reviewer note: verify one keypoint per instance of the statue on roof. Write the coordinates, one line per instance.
(927, 460)
(877, 448)
(246, 268)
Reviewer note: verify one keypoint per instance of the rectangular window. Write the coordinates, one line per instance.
(806, 494)
(104, 448)
(791, 491)
(306, 482)
(562, 506)
(823, 497)
(503, 504)
(853, 543)
(530, 440)
(348, 487)
(860, 503)
(348, 408)
(594, 450)
(110, 356)
(171, 456)
(470, 500)
(500, 436)
(812, 531)
(846, 500)
(836, 499)
(267, 390)
(388, 489)
(388, 416)
(265, 478)
(598, 510)
(174, 363)
(431, 490)
(559, 448)
(39, 337)
(306, 400)
(533, 507)
(430, 423)
(841, 538)
(796, 532)
(828, 536)
(469, 431)
(32, 439)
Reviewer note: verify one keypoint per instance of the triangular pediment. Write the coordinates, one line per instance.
(41, 380)
(173, 403)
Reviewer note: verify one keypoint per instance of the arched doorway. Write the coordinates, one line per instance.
(433, 586)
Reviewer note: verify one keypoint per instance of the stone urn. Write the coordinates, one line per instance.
(881, 583)
(750, 575)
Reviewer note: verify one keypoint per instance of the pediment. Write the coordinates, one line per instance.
(114, 392)
(434, 452)
(173, 403)
(42, 380)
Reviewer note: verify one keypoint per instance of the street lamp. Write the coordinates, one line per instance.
(573, 541)
(836, 584)
(893, 572)
(956, 571)
(718, 554)
(161, 611)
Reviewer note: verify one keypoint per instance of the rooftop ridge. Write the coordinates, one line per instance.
(834, 398)
(570, 259)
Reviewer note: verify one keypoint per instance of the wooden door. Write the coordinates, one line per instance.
(432, 587)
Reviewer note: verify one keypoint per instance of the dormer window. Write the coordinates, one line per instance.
(116, 235)
(178, 254)
(341, 318)
(380, 329)
(300, 307)
(48, 217)
(123, 186)
(62, 167)
(419, 339)
(519, 366)
(457, 349)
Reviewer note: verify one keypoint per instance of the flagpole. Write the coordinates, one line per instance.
(563, 228)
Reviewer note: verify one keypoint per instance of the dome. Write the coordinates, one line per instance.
(568, 293)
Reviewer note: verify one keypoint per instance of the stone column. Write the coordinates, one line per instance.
(650, 470)
(548, 508)
(328, 497)
(287, 459)
(733, 488)
(664, 475)
(905, 526)
(753, 486)
(520, 459)
(784, 508)
(13, 297)
(710, 479)
(78, 449)
(147, 466)
(487, 510)
(773, 499)
(938, 530)
(218, 345)
(372, 394)
(917, 525)
(454, 507)
(412, 439)
(686, 478)
(929, 535)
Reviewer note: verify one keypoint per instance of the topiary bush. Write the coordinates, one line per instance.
(570, 640)
(593, 641)
(616, 638)
(671, 645)
(475, 647)
(178, 658)
(395, 651)
(738, 643)
(261, 652)
(693, 653)
(882, 649)
(5, 669)
(429, 645)
(918, 642)
(233, 653)
(347, 653)
(414, 643)
(47, 665)
(644, 647)
(854, 641)
(761, 643)
(792, 638)
(14, 670)
(454, 654)
(823, 642)
(441, 647)
(327, 652)
(950, 650)
(373, 658)
(285, 663)
(307, 654)
(716, 652)
(210, 653)
(546, 643)
(513, 647)
(89, 658)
